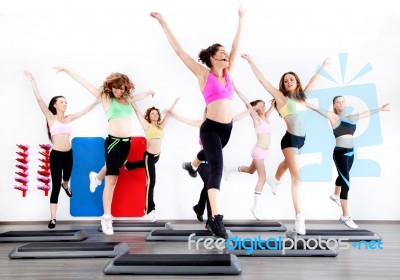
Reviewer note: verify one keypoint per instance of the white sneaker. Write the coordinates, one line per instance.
(94, 183)
(335, 199)
(106, 226)
(229, 170)
(273, 183)
(152, 216)
(348, 222)
(300, 224)
(256, 213)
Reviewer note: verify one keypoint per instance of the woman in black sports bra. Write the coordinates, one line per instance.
(343, 127)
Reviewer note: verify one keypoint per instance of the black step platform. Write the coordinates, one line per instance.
(254, 226)
(43, 235)
(57, 250)
(129, 226)
(324, 234)
(180, 235)
(281, 248)
(163, 264)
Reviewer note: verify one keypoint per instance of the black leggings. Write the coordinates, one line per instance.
(343, 158)
(149, 162)
(214, 137)
(60, 169)
(204, 171)
(116, 152)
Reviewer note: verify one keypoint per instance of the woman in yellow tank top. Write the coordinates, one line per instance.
(153, 128)
(290, 102)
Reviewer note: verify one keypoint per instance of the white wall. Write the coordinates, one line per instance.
(96, 38)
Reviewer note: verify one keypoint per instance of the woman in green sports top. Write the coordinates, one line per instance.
(153, 128)
(116, 97)
(290, 102)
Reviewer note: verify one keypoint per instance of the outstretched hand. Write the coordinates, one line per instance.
(158, 17)
(242, 11)
(385, 107)
(28, 75)
(59, 69)
(247, 57)
(327, 61)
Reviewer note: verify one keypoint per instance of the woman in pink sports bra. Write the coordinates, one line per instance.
(217, 89)
(58, 130)
(290, 103)
(260, 150)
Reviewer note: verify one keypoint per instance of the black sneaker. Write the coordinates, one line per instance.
(198, 216)
(52, 224)
(216, 226)
(188, 167)
(67, 191)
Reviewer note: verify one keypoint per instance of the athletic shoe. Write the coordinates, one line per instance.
(188, 167)
(348, 222)
(273, 183)
(216, 226)
(300, 224)
(52, 224)
(256, 213)
(152, 216)
(106, 226)
(198, 216)
(94, 183)
(335, 199)
(67, 190)
(229, 170)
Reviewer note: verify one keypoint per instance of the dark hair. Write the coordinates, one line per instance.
(254, 103)
(206, 54)
(298, 91)
(333, 102)
(53, 110)
(117, 80)
(147, 114)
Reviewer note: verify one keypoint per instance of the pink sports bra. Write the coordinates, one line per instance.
(263, 127)
(214, 90)
(60, 128)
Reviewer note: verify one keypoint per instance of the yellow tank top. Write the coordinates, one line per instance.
(291, 107)
(154, 132)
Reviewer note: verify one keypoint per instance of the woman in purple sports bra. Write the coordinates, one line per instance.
(58, 130)
(290, 103)
(260, 150)
(217, 89)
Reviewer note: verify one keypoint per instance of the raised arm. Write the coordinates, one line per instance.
(145, 124)
(356, 117)
(43, 107)
(195, 123)
(276, 94)
(270, 109)
(143, 95)
(92, 89)
(331, 116)
(246, 101)
(168, 116)
(314, 79)
(83, 111)
(197, 69)
(236, 40)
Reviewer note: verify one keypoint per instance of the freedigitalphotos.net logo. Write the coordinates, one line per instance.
(258, 243)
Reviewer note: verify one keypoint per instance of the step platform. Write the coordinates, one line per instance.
(129, 226)
(174, 264)
(336, 234)
(180, 235)
(43, 235)
(273, 247)
(259, 226)
(62, 250)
